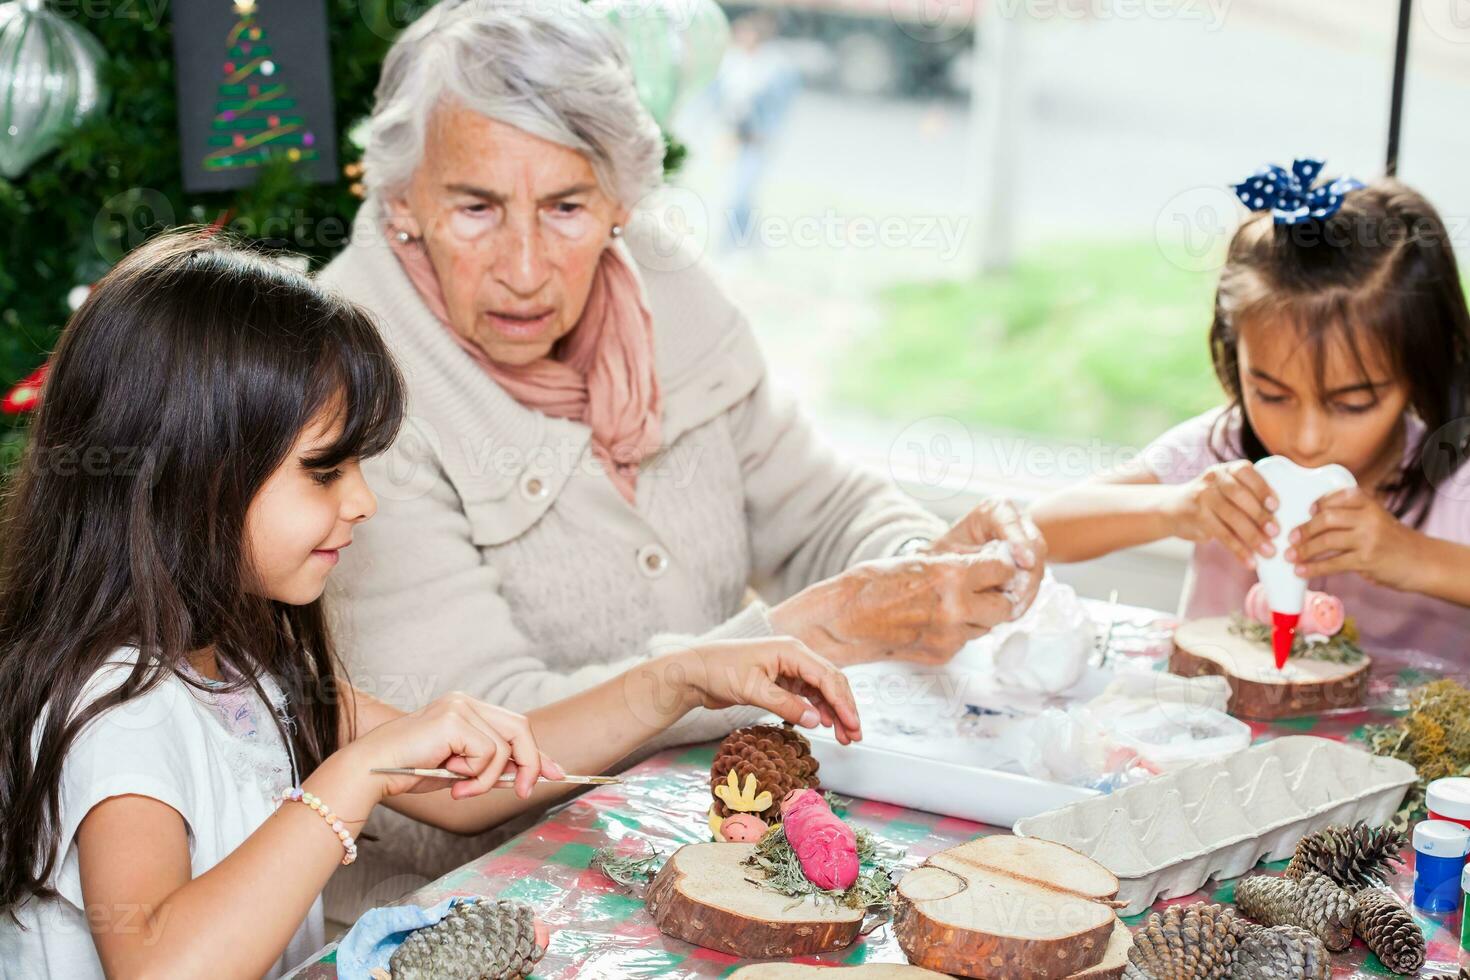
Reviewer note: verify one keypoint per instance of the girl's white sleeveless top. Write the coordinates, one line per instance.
(217, 759)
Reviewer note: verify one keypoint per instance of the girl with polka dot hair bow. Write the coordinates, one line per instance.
(1340, 335)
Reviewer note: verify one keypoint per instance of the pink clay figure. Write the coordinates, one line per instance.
(825, 846)
(1322, 612)
(743, 828)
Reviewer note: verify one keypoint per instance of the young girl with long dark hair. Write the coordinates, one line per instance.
(182, 764)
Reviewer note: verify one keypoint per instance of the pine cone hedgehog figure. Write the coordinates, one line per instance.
(1354, 857)
(1194, 942)
(755, 767)
(1390, 931)
(1281, 953)
(1312, 902)
(484, 940)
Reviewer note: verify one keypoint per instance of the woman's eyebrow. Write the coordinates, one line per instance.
(569, 192)
(495, 197)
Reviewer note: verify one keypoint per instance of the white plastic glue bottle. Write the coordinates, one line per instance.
(1296, 489)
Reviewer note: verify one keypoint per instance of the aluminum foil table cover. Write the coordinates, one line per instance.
(602, 931)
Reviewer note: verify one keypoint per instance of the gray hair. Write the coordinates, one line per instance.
(549, 68)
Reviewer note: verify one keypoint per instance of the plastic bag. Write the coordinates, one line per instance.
(1047, 650)
(1140, 726)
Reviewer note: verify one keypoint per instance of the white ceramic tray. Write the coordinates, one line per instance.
(1170, 835)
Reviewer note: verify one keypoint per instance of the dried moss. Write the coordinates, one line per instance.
(1433, 737)
(1340, 649)
(627, 870)
(779, 869)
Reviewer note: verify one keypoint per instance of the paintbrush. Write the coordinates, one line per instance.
(506, 780)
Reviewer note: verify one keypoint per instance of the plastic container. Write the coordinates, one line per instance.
(1440, 847)
(989, 796)
(1449, 799)
(1296, 488)
(1171, 736)
(1168, 836)
(931, 740)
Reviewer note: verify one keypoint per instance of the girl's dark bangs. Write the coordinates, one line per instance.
(357, 379)
(1317, 320)
(1348, 320)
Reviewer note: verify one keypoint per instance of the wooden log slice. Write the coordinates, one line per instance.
(868, 971)
(957, 918)
(702, 896)
(1257, 689)
(1110, 967)
(1115, 960)
(1039, 861)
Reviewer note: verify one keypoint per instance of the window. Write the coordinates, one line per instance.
(965, 254)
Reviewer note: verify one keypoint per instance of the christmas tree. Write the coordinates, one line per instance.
(118, 179)
(255, 119)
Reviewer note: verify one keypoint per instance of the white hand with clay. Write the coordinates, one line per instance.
(995, 522)
(923, 608)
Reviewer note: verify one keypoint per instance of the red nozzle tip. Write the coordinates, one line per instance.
(1283, 631)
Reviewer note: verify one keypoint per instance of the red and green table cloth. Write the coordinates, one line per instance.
(599, 930)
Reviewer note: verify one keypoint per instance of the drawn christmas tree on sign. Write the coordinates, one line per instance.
(255, 117)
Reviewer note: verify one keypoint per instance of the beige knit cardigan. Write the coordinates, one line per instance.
(503, 562)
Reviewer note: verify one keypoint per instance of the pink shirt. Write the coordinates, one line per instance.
(1390, 622)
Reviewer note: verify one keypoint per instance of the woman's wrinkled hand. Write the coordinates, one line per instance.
(922, 608)
(1000, 520)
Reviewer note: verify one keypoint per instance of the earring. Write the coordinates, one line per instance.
(617, 231)
(403, 237)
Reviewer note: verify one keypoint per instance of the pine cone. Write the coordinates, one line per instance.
(1354, 857)
(1464, 974)
(1281, 953)
(778, 756)
(1193, 942)
(483, 940)
(1313, 902)
(1390, 931)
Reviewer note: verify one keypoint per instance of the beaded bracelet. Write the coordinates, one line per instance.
(299, 795)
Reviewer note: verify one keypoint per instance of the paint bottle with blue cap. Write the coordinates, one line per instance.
(1440, 847)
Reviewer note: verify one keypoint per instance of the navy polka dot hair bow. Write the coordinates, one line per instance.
(1290, 196)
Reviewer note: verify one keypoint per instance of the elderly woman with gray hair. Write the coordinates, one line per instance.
(596, 466)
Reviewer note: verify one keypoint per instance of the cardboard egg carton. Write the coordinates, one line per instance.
(1168, 836)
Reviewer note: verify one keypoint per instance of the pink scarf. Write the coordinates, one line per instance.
(600, 374)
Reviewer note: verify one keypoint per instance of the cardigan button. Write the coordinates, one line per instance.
(533, 487)
(653, 561)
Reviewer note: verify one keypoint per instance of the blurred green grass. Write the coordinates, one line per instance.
(1081, 341)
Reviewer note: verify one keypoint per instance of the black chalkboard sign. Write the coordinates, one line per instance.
(254, 85)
